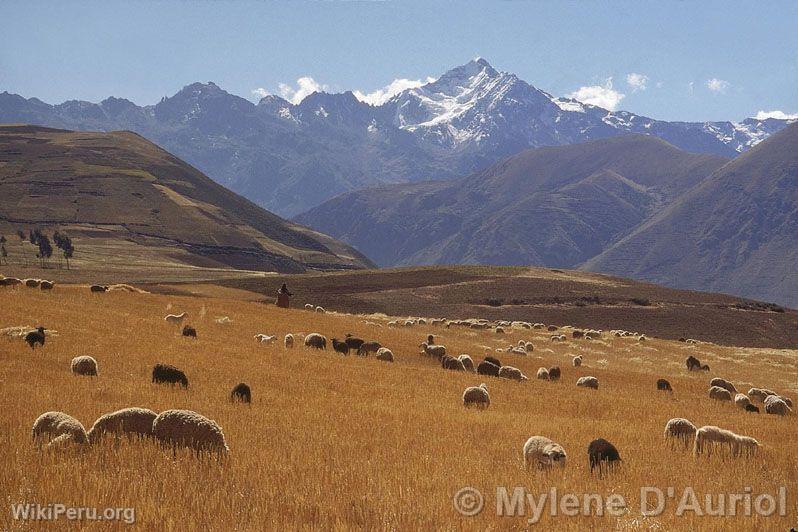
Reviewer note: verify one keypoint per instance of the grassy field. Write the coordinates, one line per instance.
(343, 442)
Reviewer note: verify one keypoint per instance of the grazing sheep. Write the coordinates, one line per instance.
(720, 394)
(577, 334)
(511, 373)
(693, 364)
(723, 383)
(760, 393)
(266, 339)
(437, 351)
(189, 331)
(353, 342)
(52, 425)
(602, 453)
(488, 368)
(679, 428)
(10, 281)
(316, 341)
(642, 339)
(126, 422)
(467, 361)
(320, 310)
(776, 405)
(543, 374)
(577, 361)
(742, 400)
(309, 307)
(449, 362)
(543, 452)
(185, 428)
(340, 347)
(493, 360)
(47, 285)
(528, 347)
(751, 408)
(32, 283)
(96, 288)
(241, 393)
(223, 320)
(499, 330)
(289, 341)
(84, 365)
(35, 337)
(476, 396)
(166, 374)
(384, 354)
(552, 328)
(558, 338)
(554, 373)
(588, 382)
(705, 367)
(711, 436)
(368, 347)
(664, 385)
(176, 319)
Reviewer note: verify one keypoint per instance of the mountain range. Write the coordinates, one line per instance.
(290, 158)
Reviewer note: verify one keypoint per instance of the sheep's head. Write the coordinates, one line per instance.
(553, 453)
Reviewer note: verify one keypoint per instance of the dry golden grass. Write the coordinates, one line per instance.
(339, 443)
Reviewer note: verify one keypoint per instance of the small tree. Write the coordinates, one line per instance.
(3, 252)
(45, 248)
(64, 243)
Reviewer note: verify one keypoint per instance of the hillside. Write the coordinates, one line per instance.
(736, 232)
(123, 200)
(554, 206)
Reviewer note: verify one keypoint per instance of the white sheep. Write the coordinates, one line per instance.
(511, 373)
(680, 429)
(384, 354)
(577, 361)
(266, 339)
(742, 400)
(316, 341)
(476, 396)
(723, 383)
(320, 310)
(289, 341)
(309, 307)
(543, 374)
(588, 382)
(435, 350)
(58, 425)
(467, 361)
(223, 320)
(84, 365)
(185, 428)
(720, 394)
(543, 452)
(126, 422)
(776, 405)
(176, 319)
(710, 436)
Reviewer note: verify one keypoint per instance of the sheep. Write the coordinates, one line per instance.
(320, 310)
(543, 452)
(723, 383)
(185, 428)
(704, 367)
(720, 394)
(592, 335)
(751, 408)
(164, 373)
(47, 285)
(189, 332)
(52, 425)
(511, 373)
(32, 283)
(309, 307)
(10, 281)
(476, 396)
(760, 393)
(577, 334)
(126, 422)
(265, 338)
(437, 351)
(558, 338)
(368, 347)
(353, 342)
(34, 337)
(98, 288)
(84, 365)
(528, 347)
(664, 385)
(552, 328)
(499, 330)
(543, 374)
(241, 392)
(289, 341)
(577, 361)
(488, 368)
(710, 436)
(588, 382)
(449, 362)
(384, 354)
(742, 400)
(493, 360)
(554, 373)
(776, 405)
(223, 320)
(316, 341)
(693, 364)
(467, 361)
(680, 429)
(602, 453)
(642, 338)
(175, 319)
(340, 347)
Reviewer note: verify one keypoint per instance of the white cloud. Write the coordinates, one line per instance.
(384, 94)
(779, 115)
(260, 92)
(637, 81)
(717, 85)
(600, 95)
(305, 86)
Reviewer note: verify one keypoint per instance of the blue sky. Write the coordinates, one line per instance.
(687, 60)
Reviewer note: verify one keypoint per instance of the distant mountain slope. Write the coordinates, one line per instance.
(555, 206)
(120, 187)
(289, 158)
(736, 232)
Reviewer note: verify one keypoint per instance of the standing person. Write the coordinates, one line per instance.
(284, 297)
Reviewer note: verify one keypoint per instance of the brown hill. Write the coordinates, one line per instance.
(120, 198)
(736, 232)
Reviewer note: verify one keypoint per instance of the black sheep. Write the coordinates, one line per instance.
(189, 331)
(353, 342)
(693, 364)
(751, 408)
(600, 451)
(35, 337)
(488, 368)
(339, 346)
(241, 392)
(493, 360)
(554, 373)
(664, 385)
(166, 374)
